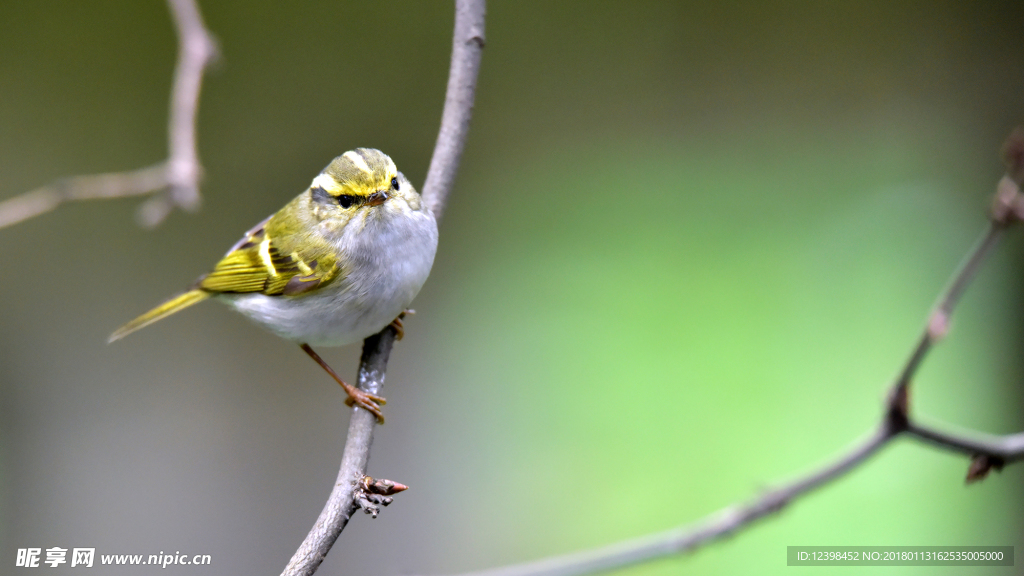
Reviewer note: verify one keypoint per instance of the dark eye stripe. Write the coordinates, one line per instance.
(320, 195)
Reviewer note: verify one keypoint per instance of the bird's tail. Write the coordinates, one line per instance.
(179, 302)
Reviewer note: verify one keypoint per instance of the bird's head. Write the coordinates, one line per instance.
(365, 181)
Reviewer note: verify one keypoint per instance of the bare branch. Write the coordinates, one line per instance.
(1008, 448)
(938, 320)
(197, 49)
(112, 185)
(720, 524)
(179, 174)
(988, 451)
(467, 46)
(342, 502)
(728, 521)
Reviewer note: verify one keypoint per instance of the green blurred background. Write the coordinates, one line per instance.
(688, 249)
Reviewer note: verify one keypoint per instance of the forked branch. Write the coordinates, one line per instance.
(178, 176)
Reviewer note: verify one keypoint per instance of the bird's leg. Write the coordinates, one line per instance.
(397, 323)
(371, 402)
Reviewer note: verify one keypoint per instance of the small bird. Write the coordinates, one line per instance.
(338, 263)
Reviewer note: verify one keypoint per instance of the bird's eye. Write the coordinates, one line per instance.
(394, 183)
(346, 201)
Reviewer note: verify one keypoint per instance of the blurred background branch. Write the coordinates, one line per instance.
(178, 176)
(467, 48)
(987, 453)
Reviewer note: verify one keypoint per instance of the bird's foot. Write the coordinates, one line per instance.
(370, 402)
(356, 397)
(397, 323)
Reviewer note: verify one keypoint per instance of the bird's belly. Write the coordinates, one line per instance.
(332, 316)
(388, 263)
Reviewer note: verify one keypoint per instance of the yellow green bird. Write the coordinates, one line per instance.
(338, 263)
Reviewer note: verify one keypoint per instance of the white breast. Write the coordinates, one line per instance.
(387, 258)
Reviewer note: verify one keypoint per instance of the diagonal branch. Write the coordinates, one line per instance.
(686, 538)
(988, 451)
(341, 505)
(179, 174)
(730, 520)
(938, 320)
(1009, 448)
(467, 47)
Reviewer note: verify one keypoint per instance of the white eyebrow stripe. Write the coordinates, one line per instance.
(327, 182)
(358, 160)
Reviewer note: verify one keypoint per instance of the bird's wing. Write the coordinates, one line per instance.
(272, 262)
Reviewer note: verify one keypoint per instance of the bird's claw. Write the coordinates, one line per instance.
(363, 399)
(397, 323)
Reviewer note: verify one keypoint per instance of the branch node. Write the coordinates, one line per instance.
(205, 48)
(371, 494)
(938, 325)
(775, 501)
(897, 417)
(369, 507)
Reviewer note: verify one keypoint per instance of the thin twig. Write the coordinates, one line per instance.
(197, 49)
(342, 502)
(938, 320)
(467, 46)
(989, 451)
(112, 185)
(179, 175)
(1009, 448)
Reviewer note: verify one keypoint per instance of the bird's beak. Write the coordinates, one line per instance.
(377, 198)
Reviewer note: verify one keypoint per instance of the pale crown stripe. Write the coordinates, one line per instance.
(358, 160)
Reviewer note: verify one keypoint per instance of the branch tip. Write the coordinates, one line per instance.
(981, 465)
(382, 486)
(938, 326)
(898, 411)
(153, 211)
(374, 493)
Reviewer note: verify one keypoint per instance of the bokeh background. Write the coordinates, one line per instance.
(689, 247)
